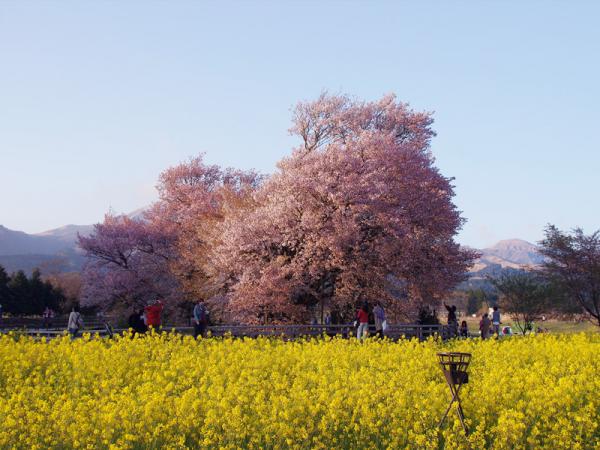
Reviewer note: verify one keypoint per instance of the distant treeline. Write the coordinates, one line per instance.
(23, 295)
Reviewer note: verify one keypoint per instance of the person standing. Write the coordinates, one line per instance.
(200, 319)
(379, 315)
(496, 320)
(47, 315)
(464, 329)
(136, 321)
(153, 314)
(452, 319)
(362, 317)
(75, 322)
(484, 326)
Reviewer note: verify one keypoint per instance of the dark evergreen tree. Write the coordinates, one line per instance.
(38, 294)
(20, 294)
(5, 295)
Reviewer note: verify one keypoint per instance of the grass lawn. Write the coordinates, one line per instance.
(553, 326)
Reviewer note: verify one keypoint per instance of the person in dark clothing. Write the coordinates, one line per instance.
(452, 320)
(484, 326)
(48, 315)
(136, 322)
(200, 319)
(464, 329)
(379, 316)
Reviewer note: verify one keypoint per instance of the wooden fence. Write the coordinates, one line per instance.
(55, 323)
(295, 331)
(35, 326)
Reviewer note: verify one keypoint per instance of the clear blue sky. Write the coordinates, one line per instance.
(97, 98)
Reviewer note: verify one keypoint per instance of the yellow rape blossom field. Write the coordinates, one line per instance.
(169, 391)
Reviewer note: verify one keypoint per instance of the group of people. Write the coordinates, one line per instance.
(142, 319)
(455, 330)
(487, 326)
(362, 320)
(149, 316)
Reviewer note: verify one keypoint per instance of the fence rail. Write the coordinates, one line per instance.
(393, 331)
(34, 326)
(57, 323)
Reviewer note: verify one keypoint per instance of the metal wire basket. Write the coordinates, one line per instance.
(454, 365)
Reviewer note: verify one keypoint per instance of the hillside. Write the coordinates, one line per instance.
(508, 254)
(513, 252)
(57, 249)
(53, 250)
(67, 234)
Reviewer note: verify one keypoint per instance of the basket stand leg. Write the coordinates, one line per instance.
(461, 415)
(445, 414)
(455, 398)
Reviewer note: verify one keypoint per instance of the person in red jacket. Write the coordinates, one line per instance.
(362, 317)
(154, 313)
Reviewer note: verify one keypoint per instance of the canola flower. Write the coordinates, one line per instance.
(169, 391)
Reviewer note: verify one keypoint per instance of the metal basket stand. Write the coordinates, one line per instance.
(454, 365)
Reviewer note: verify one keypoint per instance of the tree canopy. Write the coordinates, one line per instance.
(23, 295)
(526, 296)
(357, 211)
(573, 263)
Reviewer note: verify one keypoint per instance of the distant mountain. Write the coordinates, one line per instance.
(139, 213)
(57, 249)
(19, 243)
(47, 243)
(52, 250)
(67, 234)
(513, 252)
(507, 255)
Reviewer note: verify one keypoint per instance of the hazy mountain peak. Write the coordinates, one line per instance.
(67, 230)
(513, 243)
(5, 230)
(139, 214)
(512, 253)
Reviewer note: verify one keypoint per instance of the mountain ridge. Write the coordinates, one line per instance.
(22, 251)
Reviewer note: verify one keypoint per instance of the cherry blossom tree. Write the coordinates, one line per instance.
(128, 264)
(357, 211)
(167, 253)
(195, 199)
(357, 203)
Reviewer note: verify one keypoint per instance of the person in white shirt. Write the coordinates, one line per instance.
(75, 322)
(496, 320)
